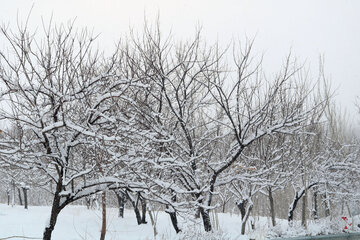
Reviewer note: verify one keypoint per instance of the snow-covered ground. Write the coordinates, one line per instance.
(77, 222)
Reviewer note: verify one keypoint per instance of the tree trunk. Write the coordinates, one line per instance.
(293, 205)
(55, 210)
(72, 185)
(327, 205)
(174, 221)
(121, 201)
(13, 193)
(292, 208)
(135, 204)
(137, 214)
(173, 218)
(25, 197)
(223, 208)
(20, 199)
(206, 219)
(243, 228)
(8, 196)
(171, 211)
(297, 197)
(303, 210)
(153, 223)
(103, 225)
(272, 208)
(315, 205)
(245, 213)
(143, 210)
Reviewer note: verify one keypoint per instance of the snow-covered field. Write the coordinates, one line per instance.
(77, 222)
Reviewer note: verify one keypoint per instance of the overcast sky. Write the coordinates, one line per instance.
(308, 27)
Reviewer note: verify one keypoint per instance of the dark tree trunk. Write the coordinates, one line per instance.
(174, 221)
(223, 207)
(205, 212)
(242, 205)
(294, 203)
(25, 197)
(8, 196)
(303, 210)
(315, 205)
(327, 207)
(135, 204)
(13, 193)
(137, 214)
(206, 219)
(20, 198)
(55, 210)
(72, 186)
(173, 216)
(121, 201)
(292, 207)
(143, 210)
(272, 208)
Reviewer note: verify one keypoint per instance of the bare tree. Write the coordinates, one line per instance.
(164, 122)
(58, 90)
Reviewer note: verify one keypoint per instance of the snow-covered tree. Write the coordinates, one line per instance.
(59, 91)
(166, 122)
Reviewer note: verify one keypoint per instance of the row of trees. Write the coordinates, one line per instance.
(172, 123)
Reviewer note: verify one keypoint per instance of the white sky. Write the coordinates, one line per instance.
(308, 27)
